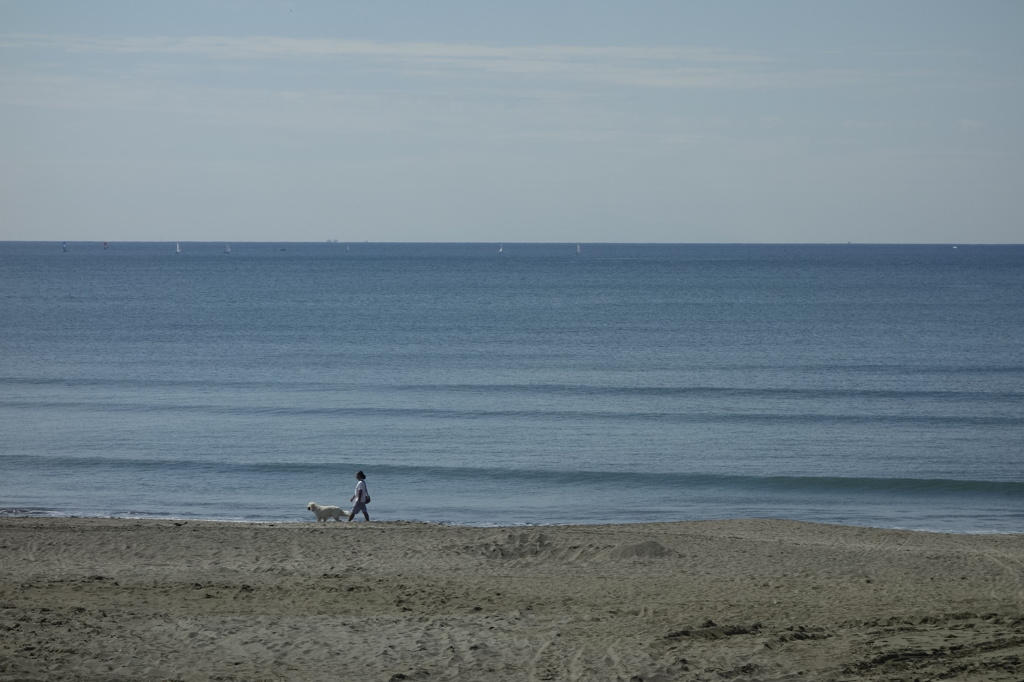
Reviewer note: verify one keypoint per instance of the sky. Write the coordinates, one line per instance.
(530, 121)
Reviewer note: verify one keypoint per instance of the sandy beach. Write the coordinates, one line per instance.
(113, 599)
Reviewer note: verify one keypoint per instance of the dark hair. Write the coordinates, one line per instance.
(360, 474)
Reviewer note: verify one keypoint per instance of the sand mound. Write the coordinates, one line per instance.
(648, 549)
(537, 546)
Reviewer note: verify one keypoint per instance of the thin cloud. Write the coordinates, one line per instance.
(650, 67)
(970, 124)
(272, 46)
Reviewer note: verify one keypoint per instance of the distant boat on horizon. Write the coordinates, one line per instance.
(577, 249)
(64, 247)
(177, 247)
(227, 249)
(501, 248)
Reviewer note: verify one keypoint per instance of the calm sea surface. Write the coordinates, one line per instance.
(865, 385)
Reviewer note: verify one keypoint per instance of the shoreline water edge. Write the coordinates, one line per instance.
(25, 514)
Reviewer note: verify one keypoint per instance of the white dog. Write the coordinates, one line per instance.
(324, 513)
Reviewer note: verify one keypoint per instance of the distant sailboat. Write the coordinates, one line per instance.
(64, 247)
(501, 248)
(577, 249)
(105, 246)
(177, 247)
(227, 249)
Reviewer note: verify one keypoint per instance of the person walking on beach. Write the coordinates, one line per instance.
(361, 497)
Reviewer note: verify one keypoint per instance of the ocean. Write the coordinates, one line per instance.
(487, 384)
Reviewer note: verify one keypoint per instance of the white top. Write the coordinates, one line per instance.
(361, 492)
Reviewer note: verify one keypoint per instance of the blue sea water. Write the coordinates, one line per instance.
(854, 384)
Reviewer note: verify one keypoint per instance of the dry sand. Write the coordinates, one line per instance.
(727, 600)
